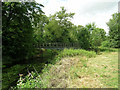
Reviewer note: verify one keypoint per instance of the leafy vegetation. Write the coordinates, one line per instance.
(10, 75)
(113, 31)
(35, 80)
(18, 32)
(26, 26)
(67, 71)
(80, 52)
(106, 49)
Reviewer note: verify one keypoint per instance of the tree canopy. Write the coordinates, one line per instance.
(113, 30)
(19, 19)
(25, 25)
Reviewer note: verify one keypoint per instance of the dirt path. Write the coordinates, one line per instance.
(82, 72)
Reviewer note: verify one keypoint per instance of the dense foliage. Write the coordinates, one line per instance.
(113, 30)
(59, 27)
(19, 19)
(25, 25)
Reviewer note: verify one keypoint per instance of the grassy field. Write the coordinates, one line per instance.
(83, 72)
(76, 69)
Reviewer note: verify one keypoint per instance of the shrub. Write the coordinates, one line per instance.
(105, 44)
(30, 81)
(106, 49)
(10, 75)
(74, 52)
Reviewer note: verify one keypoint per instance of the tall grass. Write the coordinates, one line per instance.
(74, 52)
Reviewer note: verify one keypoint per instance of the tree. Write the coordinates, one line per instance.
(97, 36)
(53, 31)
(59, 27)
(83, 37)
(113, 30)
(90, 26)
(39, 35)
(19, 20)
(73, 34)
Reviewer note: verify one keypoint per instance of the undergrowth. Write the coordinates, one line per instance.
(106, 49)
(41, 80)
(9, 75)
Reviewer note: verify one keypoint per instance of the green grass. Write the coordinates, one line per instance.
(106, 66)
(76, 69)
(106, 49)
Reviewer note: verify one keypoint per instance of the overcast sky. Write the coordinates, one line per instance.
(86, 11)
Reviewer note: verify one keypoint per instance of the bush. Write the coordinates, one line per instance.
(106, 49)
(105, 44)
(74, 52)
(10, 75)
(32, 80)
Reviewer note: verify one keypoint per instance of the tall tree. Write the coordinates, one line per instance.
(52, 31)
(59, 26)
(97, 36)
(39, 35)
(90, 26)
(19, 20)
(83, 37)
(113, 30)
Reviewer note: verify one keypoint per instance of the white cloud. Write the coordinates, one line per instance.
(86, 11)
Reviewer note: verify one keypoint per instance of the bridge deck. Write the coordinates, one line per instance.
(54, 48)
(58, 45)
